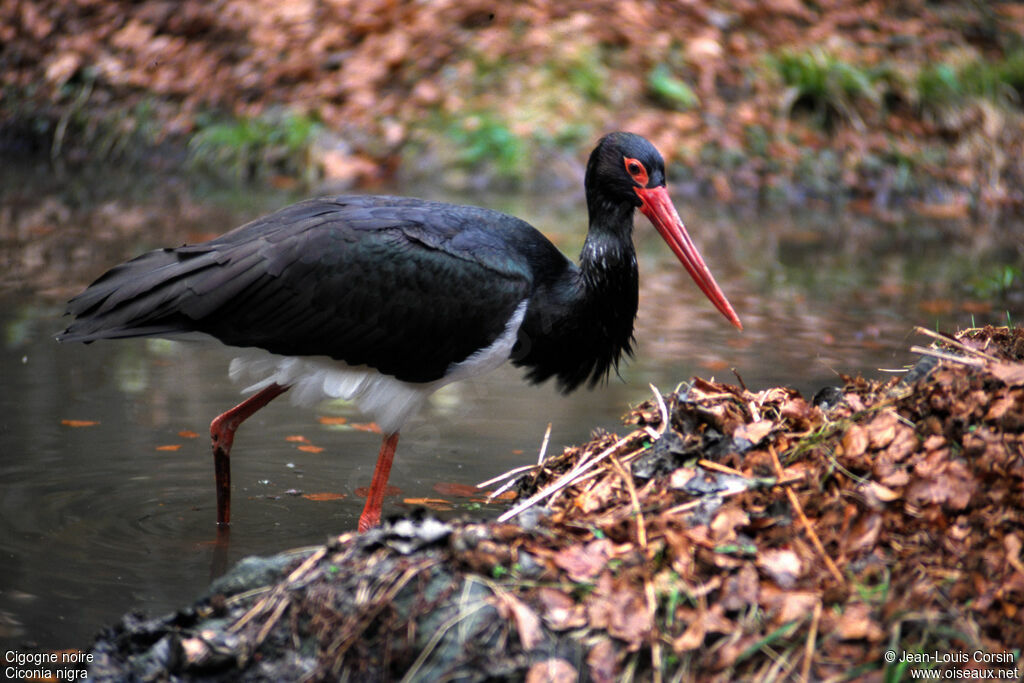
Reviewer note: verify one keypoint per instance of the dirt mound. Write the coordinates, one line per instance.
(731, 534)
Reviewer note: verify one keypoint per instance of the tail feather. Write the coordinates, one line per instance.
(160, 292)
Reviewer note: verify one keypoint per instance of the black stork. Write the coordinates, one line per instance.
(383, 300)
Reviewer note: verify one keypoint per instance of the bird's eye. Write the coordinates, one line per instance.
(636, 171)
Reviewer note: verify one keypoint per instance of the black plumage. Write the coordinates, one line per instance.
(416, 291)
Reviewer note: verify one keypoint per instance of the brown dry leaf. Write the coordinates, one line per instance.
(602, 662)
(321, 497)
(631, 619)
(79, 423)
(878, 495)
(1012, 374)
(782, 565)
(559, 610)
(942, 482)
(855, 441)
(723, 526)
(454, 489)
(527, 622)
(754, 431)
(857, 623)
(439, 504)
(691, 638)
(904, 443)
(584, 562)
(1012, 544)
(864, 533)
(554, 670)
(882, 430)
(741, 588)
(787, 605)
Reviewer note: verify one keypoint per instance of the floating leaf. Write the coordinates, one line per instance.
(79, 423)
(321, 497)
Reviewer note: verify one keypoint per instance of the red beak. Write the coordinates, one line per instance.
(658, 207)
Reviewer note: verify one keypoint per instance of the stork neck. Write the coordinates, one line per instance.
(608, 258)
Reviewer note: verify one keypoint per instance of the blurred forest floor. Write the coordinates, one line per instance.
(875, 103)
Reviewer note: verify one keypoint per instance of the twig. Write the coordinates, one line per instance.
(641, 527)
(795, 502)
(566, 479)
(812, 636)
(510, 473)
(260, 606)
(661, 407)
(954, 342)
(718, 467)
(544, 445)
(951, 357)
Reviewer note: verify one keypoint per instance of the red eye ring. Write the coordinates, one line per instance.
(636, 171)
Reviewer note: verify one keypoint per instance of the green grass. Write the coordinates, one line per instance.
(828, 87)
(484, 139)
(671, 90)
(254, 147)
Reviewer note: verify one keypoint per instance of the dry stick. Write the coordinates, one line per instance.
(544, 445)
(259, 607)
(506, 475)
(641, 527)
(795, 502)
(661, 407)
(954, 342)
(805, 670)
(951, 357)
(519, 470)
(566, 479)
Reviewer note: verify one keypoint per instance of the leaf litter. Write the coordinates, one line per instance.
(730, 535)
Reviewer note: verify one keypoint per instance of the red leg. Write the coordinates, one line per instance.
(375, 498)
(222, 433)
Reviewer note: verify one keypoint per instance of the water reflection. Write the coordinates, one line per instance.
(96, 520)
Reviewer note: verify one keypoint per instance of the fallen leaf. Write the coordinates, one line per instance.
(79, 423)
(1012, 374)
(321, 497)
(527, 622)
(583, 562)
(857, 623)
(453, 489)
(559, 610)
(855, 441)
(754, 431)
(554, 670)
(439, 504)
(602, 661)
(782, 565)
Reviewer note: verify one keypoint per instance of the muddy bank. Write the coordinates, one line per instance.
(727, 535)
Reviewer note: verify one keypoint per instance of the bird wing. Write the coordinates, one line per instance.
(404, 286)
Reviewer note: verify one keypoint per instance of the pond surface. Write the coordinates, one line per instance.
(106, 487)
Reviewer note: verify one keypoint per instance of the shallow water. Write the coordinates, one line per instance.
(115, 511)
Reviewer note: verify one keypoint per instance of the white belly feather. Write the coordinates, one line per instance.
(387, 400)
